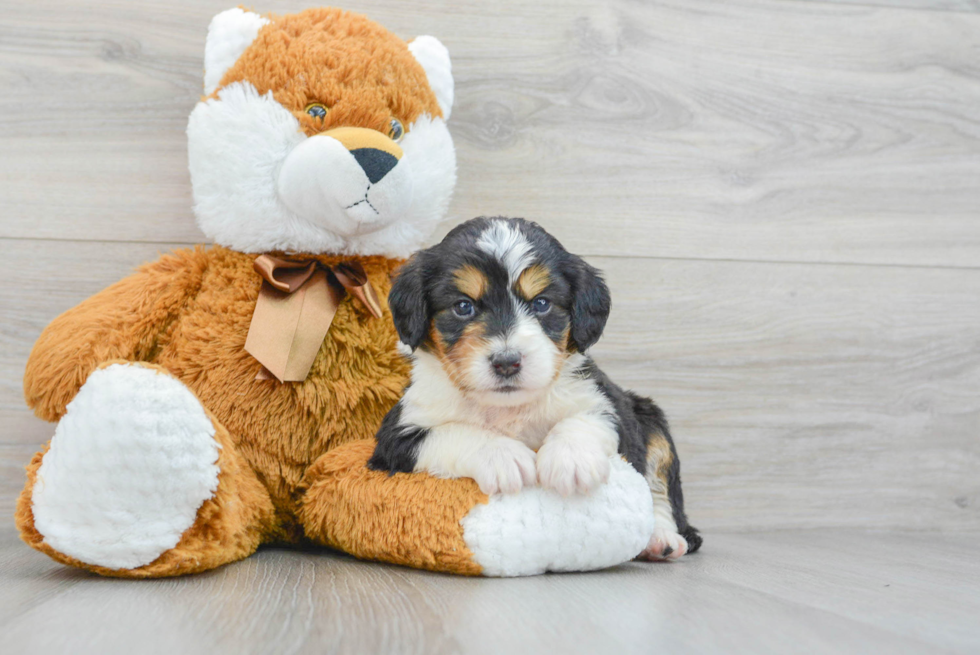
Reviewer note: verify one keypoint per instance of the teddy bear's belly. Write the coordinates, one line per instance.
(282, 428)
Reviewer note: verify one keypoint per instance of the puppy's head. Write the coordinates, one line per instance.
(501, 304)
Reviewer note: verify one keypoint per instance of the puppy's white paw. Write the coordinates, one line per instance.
(502, 465)
(665, 544)
(572, 466)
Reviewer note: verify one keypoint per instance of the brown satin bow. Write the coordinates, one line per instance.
(296, 304)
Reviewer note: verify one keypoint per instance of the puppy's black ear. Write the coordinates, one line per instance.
(590, 302)
(409, 307)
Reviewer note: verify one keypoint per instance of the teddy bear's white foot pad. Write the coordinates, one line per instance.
(538, 530)
(130, 463)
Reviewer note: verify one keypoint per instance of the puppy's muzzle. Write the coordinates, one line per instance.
(506, 364)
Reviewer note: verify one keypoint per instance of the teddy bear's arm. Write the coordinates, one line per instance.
(123, 321)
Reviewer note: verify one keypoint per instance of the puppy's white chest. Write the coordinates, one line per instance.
(519, 423)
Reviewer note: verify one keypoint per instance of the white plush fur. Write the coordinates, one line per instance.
(229, 35)
(260, 184)
(434, 57)
(321, 181)
(130, 464)
(539, 530)
(246, 153)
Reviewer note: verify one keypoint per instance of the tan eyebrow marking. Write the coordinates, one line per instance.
(471, 282)
(533, 280)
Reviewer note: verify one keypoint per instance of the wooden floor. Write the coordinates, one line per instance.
(785, 198)
(778, 592)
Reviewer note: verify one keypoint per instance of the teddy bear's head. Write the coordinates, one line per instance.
(320, 132)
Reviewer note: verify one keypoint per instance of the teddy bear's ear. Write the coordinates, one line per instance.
(229, 34)
(434, 57)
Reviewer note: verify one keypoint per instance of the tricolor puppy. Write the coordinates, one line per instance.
(499, 317)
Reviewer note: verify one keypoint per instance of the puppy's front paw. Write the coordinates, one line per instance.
(502, 465)
(664, 545)
(569, 466)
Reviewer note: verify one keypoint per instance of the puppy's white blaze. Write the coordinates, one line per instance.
(508, 245)
(238, 145)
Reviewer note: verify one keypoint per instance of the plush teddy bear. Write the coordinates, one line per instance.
(204, 403)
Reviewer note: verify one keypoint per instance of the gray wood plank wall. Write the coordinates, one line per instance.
(785, 196)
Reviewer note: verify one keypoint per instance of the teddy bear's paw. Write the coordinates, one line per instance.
(540, 530)
(665, 544)
(129, 465)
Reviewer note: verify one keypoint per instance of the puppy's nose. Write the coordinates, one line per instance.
(506, 364)
(376, 163)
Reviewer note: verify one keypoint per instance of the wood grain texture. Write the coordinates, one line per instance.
(790, 592)
(749, 130)
(853, 391)
(801, 395)
(784, 197)
(968, 6)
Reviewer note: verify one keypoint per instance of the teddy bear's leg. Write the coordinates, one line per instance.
(140, 481)
(413, 520)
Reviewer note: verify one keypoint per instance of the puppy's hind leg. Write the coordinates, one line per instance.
(673, 537)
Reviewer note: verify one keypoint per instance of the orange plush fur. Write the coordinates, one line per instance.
(367, 79)
(188, 314)
(404, 519)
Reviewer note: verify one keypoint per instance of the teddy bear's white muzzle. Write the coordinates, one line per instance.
(349, 193)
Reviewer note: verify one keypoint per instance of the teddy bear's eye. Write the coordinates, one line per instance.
(316, 110)
(395, 130)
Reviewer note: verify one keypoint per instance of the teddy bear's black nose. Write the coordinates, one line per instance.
(376, 163)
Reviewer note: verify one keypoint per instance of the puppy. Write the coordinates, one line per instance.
(499, 317)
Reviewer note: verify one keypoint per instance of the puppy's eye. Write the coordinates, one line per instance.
(395, 130)
(540, 305)
(316, 110)
(463, 308)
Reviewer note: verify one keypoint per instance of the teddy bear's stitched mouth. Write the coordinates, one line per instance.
(364, 200)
